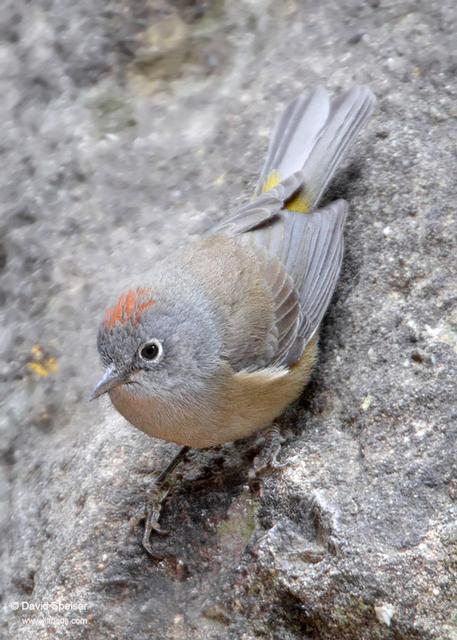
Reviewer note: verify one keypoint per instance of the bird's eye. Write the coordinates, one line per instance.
(151, 350)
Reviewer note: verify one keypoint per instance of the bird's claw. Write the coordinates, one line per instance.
(266, 461)
(155, 500)
(152, 511)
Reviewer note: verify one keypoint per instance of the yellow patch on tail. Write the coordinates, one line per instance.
(298, 202)
(271, 182)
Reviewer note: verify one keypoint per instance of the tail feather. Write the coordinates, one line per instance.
(312, 136)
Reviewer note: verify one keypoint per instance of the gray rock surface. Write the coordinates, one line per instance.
(126, 126)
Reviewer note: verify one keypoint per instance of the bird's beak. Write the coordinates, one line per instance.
(111, 378)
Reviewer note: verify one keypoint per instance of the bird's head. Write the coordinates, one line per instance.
(154, 344)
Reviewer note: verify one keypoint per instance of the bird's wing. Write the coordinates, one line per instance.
(300, 260)
(271, 285)
(310, 249)
(254, 300)
(298, 257)
(282, 331)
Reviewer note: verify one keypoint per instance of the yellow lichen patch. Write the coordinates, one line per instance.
(41, 364)
(38, 369)
(52, 364)
(37, 352)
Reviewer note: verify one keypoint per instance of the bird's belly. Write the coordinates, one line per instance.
(165, 421)
(243, 405)
(199, 428)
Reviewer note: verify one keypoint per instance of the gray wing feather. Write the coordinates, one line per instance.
(310, 250)
(316, 269)
(286, 313)
(301, 256)
(259, 211)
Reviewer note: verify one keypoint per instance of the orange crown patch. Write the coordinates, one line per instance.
(130, 306)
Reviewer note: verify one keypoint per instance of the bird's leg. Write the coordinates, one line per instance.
(266, 461)
(156, 499)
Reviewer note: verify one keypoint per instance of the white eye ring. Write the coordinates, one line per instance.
(151, 351)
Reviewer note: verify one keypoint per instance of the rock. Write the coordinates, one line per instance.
(112, 153)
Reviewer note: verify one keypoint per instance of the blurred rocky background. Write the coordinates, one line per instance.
(126, 126)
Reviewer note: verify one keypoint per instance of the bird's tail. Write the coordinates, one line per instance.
(311, 137)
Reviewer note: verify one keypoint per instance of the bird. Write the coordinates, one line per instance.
(223, 334)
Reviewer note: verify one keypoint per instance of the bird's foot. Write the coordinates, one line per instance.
(266, 461)
(152, 511)
(156, 499)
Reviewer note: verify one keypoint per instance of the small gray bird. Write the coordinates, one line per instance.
(223, 336)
